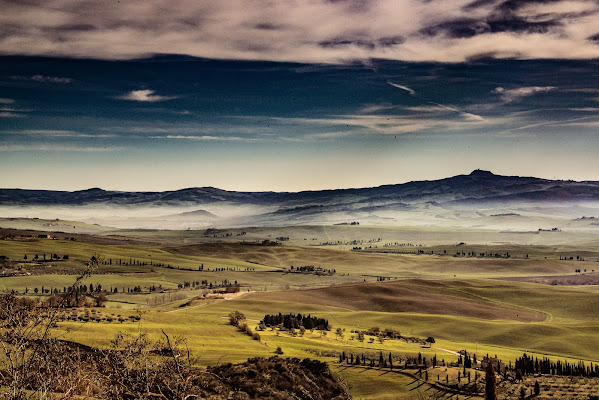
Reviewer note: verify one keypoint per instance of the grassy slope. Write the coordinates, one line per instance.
(463, 312)
(389, 265)
(407, 296)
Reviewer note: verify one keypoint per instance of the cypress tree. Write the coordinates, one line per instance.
(490, 383)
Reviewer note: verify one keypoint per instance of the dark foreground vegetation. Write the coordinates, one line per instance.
(137, 368)
(278, 378)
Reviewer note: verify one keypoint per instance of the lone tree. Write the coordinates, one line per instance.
(430, 340)
(490, 383)
(537, 388)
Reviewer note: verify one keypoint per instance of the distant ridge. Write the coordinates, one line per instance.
(478, 186)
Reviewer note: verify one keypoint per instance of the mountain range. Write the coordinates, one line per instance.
(476, 196)
(476, 187)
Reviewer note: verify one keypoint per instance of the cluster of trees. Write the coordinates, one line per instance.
(466, 360)
(311, 269)
(221, 269)
(132, 261)
(571, 258)
(204, 284)
(208, 232)
(387, 333)
(390, 360)
(481, 255)
(79, 289)
(64, 300)
(291, 321)
(73, 296)
(353, 242)
(526, 365)
(99, 318)
(51, 257)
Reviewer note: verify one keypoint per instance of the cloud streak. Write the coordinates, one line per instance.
(9, 114)
(402, 87)
(44, 78)
(387, 124)
(207, 138)
(57, 148)
(58, 133)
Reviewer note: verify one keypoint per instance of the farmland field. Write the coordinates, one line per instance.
(480, 300)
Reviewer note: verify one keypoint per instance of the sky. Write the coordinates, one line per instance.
(295, 95)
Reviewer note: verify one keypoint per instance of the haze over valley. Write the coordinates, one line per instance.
(480, 199)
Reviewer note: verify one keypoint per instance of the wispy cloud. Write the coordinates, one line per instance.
(586, 109)
(198, 129)
(44, 78)
(563, 122)
(59, 133)
(145, 95)
(208, 138)
(466, 115)
(9, 111)
(385, 124)
(375, 108)
(402, 87)
(513, 95)
(426, 109)
(8, 114)
(430, 108)
(57, 148)
(581, 90)
(13, 109)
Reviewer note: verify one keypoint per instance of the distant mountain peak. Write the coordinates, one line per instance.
(91, 190)
(480, 173)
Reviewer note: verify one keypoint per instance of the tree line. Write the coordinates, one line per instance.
(526, 365)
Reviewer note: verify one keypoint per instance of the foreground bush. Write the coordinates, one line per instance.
(278, 378)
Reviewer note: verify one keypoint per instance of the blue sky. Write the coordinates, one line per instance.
(88, 97)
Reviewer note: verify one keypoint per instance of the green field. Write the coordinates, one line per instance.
(465, 303)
